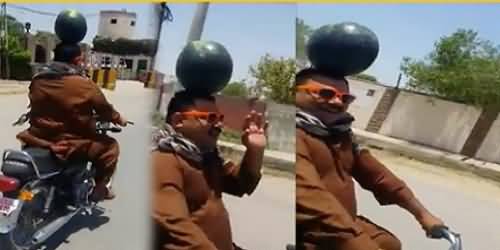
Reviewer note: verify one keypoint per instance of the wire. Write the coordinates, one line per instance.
(31, 10)
(167, 12)
(45, 13)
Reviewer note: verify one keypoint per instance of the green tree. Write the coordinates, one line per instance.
(15, 28)
(462, 67)
(236, 89)
(123, 46)
(302, 32)
(275, 78)
(366, 77)
(19, 58)
(15, 34)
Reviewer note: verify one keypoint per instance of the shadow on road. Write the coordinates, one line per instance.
(78, 223)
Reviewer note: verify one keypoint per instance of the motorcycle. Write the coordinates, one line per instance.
(440, 232)
(39, 194)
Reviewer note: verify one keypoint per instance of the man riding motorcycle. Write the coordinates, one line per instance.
(190, 175)
(64, 104)
(328, 161)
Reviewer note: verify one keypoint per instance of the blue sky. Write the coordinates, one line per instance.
(144, 24)
(406, 30)
(247, 30)
(250, 30)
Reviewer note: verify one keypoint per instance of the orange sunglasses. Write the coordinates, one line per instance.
(327, 93)
(210, 117)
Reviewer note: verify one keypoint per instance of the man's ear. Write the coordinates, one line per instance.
(177, 120)
(77, 60)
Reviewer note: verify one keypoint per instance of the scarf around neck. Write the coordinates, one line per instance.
(169, 140)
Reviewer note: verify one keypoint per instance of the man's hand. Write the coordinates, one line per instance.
(428, 221)
(254, 129)
(122, 121)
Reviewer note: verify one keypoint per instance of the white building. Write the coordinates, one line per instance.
(119, 24)
(128, 66)
(116, 24)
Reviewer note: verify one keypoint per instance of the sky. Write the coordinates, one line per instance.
(251, 30)
(248, 31)
(406, 30)
(144, 29)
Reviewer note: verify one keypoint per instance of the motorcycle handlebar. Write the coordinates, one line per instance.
(442, 232)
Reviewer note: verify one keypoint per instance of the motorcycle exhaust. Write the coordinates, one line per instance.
(48, 230)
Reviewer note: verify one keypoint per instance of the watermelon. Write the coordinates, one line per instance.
(204, 67)
(70, 26)
(342, 49)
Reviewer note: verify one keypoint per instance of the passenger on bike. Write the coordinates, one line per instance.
(64, 104)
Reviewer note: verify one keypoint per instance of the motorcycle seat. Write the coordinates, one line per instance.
(22, 164)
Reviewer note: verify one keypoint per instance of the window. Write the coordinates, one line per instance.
(128, 63)
(105, 60)
(132, 23)
(113, 20)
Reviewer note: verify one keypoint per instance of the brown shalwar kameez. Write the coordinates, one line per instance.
(61, 119)
(326, 211)
(188, 209)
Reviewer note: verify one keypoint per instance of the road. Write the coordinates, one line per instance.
(125, 224)
(266, 219)
(467, 204)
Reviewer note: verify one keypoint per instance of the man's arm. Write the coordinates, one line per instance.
(321, 217)
(243, 179)
(170, 211)
(389, 189)
(104, 110)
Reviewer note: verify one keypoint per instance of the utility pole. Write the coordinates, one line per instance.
(7, 64)
(198, 22)
(160, 16)
(5, 44)
(196, 27)
(399, 80)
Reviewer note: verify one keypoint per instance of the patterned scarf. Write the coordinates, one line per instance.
(168, 140)
(336, 129)
(56, 70)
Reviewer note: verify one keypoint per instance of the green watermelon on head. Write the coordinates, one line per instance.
(204, 67)
(342, 49)
(70, 26)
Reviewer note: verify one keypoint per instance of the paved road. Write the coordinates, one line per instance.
(467, 204)
(124, 226)
(266, 219)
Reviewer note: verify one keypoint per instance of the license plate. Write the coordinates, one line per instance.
(7, 206)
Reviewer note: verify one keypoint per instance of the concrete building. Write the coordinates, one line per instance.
(112, 24)
(41, 46)
(116, 24)
(129, 66)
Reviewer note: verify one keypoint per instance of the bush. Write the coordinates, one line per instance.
(230, 135)
(365, 77)
(19, 64)
(124, 46)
